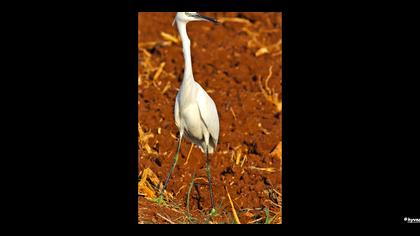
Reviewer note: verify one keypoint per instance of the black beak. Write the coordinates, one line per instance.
(207, 18)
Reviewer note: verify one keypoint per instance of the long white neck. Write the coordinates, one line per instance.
(188, 73)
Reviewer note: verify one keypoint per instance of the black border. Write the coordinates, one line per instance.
(349, 110)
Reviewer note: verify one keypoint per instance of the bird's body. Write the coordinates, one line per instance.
(196, 116)
(195, 112)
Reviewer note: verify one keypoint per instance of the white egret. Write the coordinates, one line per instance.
(195, 112)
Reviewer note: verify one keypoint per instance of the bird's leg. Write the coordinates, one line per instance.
(171, 170)
(213, 210)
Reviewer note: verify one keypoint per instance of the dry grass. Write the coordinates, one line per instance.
(277, 152)
(234, 19)
(148, 67)
(143, 139)
(189, 153)
(258, 36)
(237, 156)
(233, 113)
(276, 203)
(233, 208)
(258, 41)
(150, 186)
(170, 38)
(268, 169)
(269, 94)
(158, 72)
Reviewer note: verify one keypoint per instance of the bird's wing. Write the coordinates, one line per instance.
(176, 112)
(208, 113)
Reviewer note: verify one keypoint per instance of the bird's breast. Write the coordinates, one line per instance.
(191, 121)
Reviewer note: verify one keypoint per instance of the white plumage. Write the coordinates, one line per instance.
(195, 112)
(197, 119)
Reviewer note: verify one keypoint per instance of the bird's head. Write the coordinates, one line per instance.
(186, 17)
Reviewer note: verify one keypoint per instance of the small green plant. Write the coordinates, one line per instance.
(267, 216)
(159, 200)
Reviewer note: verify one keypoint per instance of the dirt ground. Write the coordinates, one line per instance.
(232, 62)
